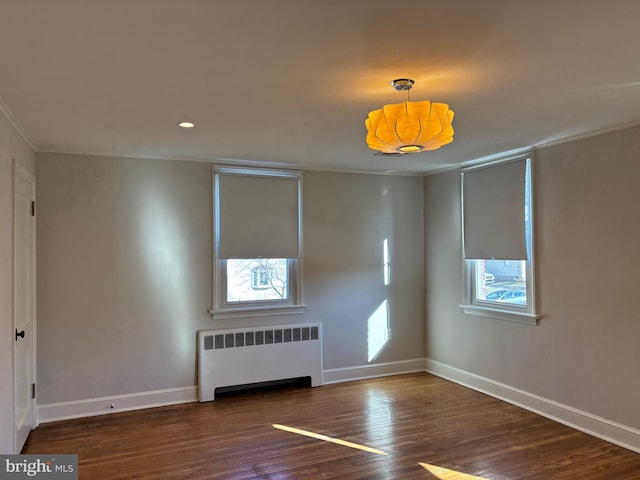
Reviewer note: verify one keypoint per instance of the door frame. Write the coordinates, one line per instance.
(19, 170)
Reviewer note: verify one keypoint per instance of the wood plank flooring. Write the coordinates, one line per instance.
(414, 419)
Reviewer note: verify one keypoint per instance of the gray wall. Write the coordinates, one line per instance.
(12, 146)
(585, 351)
(125, 277)
(347, 217)
(123, 273)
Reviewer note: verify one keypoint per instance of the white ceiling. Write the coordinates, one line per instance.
(291, 81)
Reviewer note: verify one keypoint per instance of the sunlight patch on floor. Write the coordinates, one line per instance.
(446, 474)
(439, 472)
(328, 439)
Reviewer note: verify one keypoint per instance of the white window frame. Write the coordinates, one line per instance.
(293, 304)
(472, 305)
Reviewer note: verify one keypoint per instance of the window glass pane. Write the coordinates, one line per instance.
(501, 281)
(257, 279)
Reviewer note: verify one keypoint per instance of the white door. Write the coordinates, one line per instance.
(23, 303)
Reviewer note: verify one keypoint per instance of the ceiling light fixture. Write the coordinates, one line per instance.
(186, 124)
(409, 127)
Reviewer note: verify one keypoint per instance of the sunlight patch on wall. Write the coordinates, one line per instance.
(377, 331)
(386, 263)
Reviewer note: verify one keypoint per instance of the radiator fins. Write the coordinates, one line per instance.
(260, 337)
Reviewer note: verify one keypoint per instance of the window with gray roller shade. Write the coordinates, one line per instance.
(258, 215)
(493, 199)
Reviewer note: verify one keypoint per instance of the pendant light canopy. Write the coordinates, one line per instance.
(409, 127)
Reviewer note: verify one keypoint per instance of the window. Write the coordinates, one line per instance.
(498, 241)
(257, 232)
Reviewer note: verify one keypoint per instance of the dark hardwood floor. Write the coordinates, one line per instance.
(411, 420)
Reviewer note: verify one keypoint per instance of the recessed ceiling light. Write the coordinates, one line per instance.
(186, 124)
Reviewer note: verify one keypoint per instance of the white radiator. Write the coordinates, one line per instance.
(244, 356)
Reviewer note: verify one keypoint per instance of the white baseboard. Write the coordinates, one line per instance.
(348, 374)
(608, 430)
(52, 412)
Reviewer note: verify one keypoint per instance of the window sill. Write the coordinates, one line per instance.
(244, 312)
(507, 315)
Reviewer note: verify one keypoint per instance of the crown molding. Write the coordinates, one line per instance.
(228, 161)
(505, 155)
(582, 136)
(16, 125)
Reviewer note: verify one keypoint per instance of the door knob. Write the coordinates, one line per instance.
(19, 334)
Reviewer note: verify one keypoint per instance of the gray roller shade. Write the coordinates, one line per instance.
(494, 211)
(258, 215)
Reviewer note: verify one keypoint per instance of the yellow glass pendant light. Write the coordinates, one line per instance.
(409, 127)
